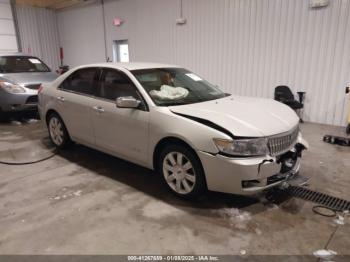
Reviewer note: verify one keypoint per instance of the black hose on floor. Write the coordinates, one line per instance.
(324, 211)
(30, 162)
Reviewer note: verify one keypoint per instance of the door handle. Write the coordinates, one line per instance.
(61, 98)
(98, 109)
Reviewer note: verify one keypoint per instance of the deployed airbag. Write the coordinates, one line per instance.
(169, 93)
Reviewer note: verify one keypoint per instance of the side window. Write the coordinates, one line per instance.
(81, 81)
(115, 84)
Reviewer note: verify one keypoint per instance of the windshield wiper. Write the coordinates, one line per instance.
(174, 103)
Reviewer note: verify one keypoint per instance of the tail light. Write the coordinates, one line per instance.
(40, 89)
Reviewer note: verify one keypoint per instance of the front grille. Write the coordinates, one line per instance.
(280, 144)
(34, 86)
(32, 100)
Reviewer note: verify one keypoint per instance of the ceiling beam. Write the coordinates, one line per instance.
(52, 4)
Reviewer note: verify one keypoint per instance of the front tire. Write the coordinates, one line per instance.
(58, 132)
(181, 171)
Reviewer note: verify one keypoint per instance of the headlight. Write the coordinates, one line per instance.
(243, 147)
(12, 88)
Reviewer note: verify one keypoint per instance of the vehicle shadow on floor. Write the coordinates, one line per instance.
(147, 181)
(18, 117)
(134, 176)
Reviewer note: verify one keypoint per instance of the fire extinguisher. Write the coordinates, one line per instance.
(62, 68)
(347, 91)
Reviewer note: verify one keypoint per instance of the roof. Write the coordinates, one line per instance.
(139, 65)
(132, 66)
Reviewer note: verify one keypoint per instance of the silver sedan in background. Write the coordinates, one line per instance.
(171, 120)
(20, 78)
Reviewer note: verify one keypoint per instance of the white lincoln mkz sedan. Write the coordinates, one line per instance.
(169, 119)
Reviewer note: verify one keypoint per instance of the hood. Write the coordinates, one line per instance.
(29, 78)
(243, 116)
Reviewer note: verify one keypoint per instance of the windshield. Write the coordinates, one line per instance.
(22, 64)
(176, 86)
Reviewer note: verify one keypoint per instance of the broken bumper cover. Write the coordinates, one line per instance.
(247, 176)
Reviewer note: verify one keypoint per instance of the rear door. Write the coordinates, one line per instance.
(76, 101)
(122, 131)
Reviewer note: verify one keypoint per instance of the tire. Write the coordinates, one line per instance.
(181, 171)
(58, 131)
(348, 129)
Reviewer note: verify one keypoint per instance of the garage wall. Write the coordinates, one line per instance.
(8, 40)
(246, 46)
(82, 34)
(39, 34)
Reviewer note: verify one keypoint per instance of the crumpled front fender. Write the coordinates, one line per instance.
(302, 141)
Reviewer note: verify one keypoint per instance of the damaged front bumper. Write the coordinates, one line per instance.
(247, 176)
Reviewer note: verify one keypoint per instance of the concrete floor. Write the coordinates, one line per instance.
(85, 202)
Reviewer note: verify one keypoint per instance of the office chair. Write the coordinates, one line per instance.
(284, 95)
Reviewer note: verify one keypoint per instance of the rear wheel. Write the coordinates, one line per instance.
(181, 171)
(57, 131)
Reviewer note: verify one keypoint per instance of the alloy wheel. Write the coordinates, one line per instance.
(179, 173)
(56, 131)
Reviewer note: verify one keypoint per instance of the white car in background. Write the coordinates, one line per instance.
(169, 119)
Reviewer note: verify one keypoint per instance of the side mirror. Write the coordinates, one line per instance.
(127, 102)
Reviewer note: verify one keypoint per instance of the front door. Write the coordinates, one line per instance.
(122, 131)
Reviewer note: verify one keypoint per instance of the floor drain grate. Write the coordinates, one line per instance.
(319, 198)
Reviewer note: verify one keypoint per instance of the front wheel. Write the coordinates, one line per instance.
(57, 131)
(182, 171)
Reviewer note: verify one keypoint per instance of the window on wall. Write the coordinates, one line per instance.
(120, 51)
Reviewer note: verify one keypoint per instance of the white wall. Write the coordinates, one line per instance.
(8, 41)
(246, 46)
(39, 34)
(81, 35)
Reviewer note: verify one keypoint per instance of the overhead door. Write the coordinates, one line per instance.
(8, 42)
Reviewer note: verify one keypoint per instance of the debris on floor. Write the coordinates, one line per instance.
(340, 219)
(337, 140)
(243, 252)
(77, 193)
(159, 210)
(325, 254)
(258, 231)
(68, 195)
(237, 218)
(16, 123)
(31, 121)
(21, 121)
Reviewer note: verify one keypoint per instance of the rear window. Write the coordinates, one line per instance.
(82, 81)
(22, 64)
